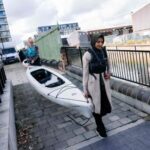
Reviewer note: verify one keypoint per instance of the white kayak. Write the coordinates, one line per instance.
(59, 89)
(25, 63)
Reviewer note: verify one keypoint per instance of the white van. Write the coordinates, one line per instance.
(9, 55)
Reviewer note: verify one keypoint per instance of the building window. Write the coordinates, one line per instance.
(2, 13)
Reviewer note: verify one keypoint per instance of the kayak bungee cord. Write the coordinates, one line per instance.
(58, 89)
(61, 90)
(67, 88)
(78, 122)
(68, 99)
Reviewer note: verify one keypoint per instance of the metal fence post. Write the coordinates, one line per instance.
(66, 51)
(80, 53)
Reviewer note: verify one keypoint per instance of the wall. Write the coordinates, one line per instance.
(141, 19)
(49, 45)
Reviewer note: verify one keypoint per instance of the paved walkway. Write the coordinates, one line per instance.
(136, 138)
(43, 125)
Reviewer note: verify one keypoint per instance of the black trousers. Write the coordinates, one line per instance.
(37, 62)
(105, 105)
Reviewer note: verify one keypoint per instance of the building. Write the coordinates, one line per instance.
(65, 29)
(141, 19)
(112, 31)
(4, 29)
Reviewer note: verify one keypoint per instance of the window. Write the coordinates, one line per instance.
(2, 13)
(1, 7)
(8, 50)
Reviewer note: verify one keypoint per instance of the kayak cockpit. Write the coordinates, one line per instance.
(47, 78)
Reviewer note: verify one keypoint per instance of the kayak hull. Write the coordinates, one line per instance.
(63, 93)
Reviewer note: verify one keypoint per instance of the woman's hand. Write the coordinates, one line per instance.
(86, 94)
(107, 75)
(32, 61)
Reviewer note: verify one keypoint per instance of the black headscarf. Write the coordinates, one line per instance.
(95, 38)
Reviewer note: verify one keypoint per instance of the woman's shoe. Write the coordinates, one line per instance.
(101, 129)
(100, 125)
(102, 133)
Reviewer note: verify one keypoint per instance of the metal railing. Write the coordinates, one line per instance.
(2, 79)
(130, 65)
(74, 56)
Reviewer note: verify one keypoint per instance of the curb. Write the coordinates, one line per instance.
(8, 140)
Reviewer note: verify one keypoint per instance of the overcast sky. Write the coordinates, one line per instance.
(24, 16)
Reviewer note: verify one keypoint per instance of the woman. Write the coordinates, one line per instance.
(33, 53)
(96, 84)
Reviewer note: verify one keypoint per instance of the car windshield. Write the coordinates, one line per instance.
(8, 50)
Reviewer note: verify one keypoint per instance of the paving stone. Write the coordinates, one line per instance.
(66, 136)
(125, 108)
(113, 125)
(50, 142)
(48, 136)
(134, 117)
(90, 134)
(114, 118)
(91, 127)
(61, 145)
(60, 132)
(71, 127)
(123, 115)
(125, 120)
(64, 125)
(79, 131)
(75, 140)
(38, 146)
(106, 121)
(50, 130)
(92, 120)
(80, 120)
(116, 111)
(49, 148)
(115, 106)
(67, 119)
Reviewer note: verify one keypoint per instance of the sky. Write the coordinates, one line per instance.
(24, 16)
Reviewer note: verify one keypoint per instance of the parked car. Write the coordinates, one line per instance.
(9, 55)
